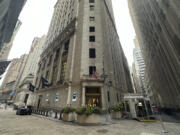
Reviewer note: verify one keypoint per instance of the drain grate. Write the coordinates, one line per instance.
(102, 131)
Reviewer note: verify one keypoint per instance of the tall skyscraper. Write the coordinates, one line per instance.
(140, 67)
(135, 79)
(9, 12)
(157, 28)
(84, 61)
(4, 53)
(3, 66)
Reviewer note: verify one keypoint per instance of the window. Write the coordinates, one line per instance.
(92, 69)
(63, 71)
(47, 97)
(91, 1)
(57, 54)
(50, 59)
(108, 94)
(40, 83)
(92, 53)
(74, 96)
(91, 38)
(44, 65)
(66, 48)
(92, 29)
(92, 18)
(117, 97)
(54, 74)
(91, 7)
(57, 96)
(36, 81)
(47, 74)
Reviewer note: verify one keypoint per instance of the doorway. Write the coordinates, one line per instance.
(39, 101)
(93, 96)
(26, 98)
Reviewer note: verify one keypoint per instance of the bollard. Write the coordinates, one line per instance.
(46, 113)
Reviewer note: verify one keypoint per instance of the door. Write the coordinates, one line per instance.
(26, 98)
(93, 100)
(93, 96)
(39, 101)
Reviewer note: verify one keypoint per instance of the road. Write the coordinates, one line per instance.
(11, 124)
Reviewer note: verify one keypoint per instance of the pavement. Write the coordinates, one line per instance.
(12, 124)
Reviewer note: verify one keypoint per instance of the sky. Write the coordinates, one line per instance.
(36, 16)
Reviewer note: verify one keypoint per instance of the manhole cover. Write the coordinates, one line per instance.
(102, 131)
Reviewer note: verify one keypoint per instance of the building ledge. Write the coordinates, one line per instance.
(88, 78)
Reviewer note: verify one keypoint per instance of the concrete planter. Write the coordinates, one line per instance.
(68, 117)
(116, 115)
(88, 119)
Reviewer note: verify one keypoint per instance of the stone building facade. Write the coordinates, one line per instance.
(14, 71)
(12, 77)
(157, 26)
(31, 66)
(84, 60)
(23, 95)
(135, 79)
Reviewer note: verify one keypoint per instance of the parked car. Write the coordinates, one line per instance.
(24, 110)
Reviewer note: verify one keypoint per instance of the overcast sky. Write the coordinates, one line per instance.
(36, 16)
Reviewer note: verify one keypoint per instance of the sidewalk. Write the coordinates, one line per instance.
(39, 125)
(7, 108)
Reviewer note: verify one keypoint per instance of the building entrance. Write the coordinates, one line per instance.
(39, 101)
(93, 96)
(26, 98)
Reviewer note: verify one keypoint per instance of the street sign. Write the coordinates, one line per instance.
(155, 110)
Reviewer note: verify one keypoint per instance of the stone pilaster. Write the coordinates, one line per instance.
(103, 98)
(83, 96)
(51, 69)
(69, 94)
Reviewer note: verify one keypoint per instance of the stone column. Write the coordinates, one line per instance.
(71, 71)
(45, 68)
(103, 98)
(83, 96)
(51, 70)
(59, 65)
(69, 94)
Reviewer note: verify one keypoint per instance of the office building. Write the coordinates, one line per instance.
(9, 13)
(83, 62)
(23, 95)
(157, 26)
(4, 53)
(139, 69)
